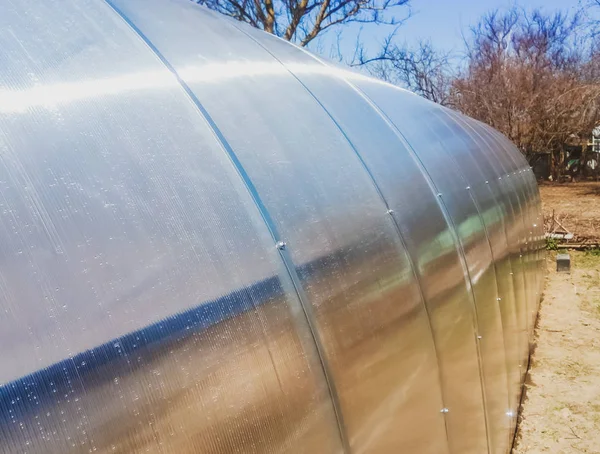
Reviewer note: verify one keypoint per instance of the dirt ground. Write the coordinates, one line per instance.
(561, 407)
(575, 205)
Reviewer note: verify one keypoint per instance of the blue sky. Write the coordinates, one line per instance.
(443, 20)
(440, 21)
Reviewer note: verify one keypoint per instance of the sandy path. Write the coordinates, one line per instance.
(561, 409)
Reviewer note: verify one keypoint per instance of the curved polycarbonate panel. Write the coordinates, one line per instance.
(390, 164)
(534, 229)
(528, 218)
(212, 241)
(472, 167)
(463, 388)
(516, 234)
(539, 244)
(144, 301)
(467, 217)
(497, 219)
(513, 175)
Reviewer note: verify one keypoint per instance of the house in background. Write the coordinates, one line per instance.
(576, 161)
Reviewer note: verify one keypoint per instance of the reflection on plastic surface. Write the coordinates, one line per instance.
(514, 198)
(496, 218)
(213, 242)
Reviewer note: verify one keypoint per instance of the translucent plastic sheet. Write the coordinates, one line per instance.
(213, 242)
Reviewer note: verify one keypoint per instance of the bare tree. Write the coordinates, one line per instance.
(301, 21)
(531, 76)
(420, 69)
(592, 14)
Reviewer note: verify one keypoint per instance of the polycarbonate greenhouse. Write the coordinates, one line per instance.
(211, 241)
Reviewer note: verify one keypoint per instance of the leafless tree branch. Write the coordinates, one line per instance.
(301, 21)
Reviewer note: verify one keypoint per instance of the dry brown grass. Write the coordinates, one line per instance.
(575, 205)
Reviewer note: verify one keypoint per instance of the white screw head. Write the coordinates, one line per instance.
(280, 245)
(444, 410)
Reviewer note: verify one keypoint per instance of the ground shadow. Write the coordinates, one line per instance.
(529, 383)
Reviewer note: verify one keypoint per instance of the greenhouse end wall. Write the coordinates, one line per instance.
(212, 241)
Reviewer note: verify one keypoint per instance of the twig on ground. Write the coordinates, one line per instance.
(573, 432)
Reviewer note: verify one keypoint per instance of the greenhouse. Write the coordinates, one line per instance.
(213, 241)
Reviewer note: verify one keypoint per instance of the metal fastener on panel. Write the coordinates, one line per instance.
(487, 182)
(444, 410)
(390, 211)
(468, 187)
(500, 299)
(479, 337)
(510, 414)
(280, 245)
(439, 194)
